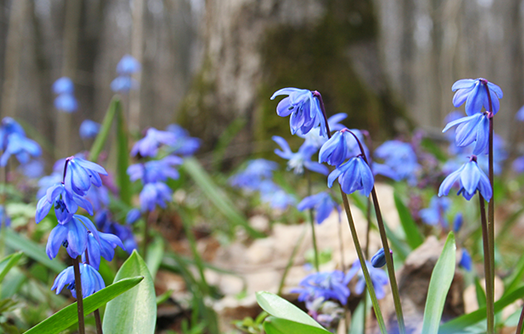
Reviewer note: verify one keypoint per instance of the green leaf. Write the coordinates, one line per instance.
(514, 280)
(122, 179)
(439, 285)
(223, 204)
(101, 138)
(273, 325)
(281, 308)
(67, 317)
(135, 310)
(33, 250)
(9, 262)
(414, 237)
(155, 253)
(481, 295)
(470, 319)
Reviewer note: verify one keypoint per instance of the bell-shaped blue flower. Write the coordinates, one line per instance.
(401, 158)
(127, 65)
(104, 247)
(353, 175)
(472, 129)
(313, 137)
(64, 85)
(58, 196)
(148, 146)
(123, 84)
(465, 260)
(379, 279)
(471, 179)
(436, 213)
(379, 259)
(81, 174)
(66, 103)
(473, 92)
(89, 129)
(323, 204)
(457, 222)
(20, 146)
(299, 160)
(156, 193)
(255, 172)
(72, 234)
(335, 151)
(155, 170)
(91, 280)
(326, 285)
(185, 145)
(304, 109)
(132, 216)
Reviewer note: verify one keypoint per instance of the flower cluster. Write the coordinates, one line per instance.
(75, 232)
(473, 129)
(126, 67)
(13, 141)
(65, 100)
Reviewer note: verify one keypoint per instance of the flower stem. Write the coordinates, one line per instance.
(366, 254)
(312, 222)
(369, 283)
(487, 268)
(290, 261)
(79, 299)
(98, 322)
(521, 322)
(145, 239)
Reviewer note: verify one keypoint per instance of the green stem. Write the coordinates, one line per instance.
(312, 222)
(490, 308)
(145, 238)
(290, 262)
(521, 322)
(366, 253)
(79, 299)
(389, 264)
(98, 322)
(369, 283)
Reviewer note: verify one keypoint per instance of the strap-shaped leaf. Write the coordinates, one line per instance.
(273, 325)
(67, 317)
(439, 285)
(9, 262)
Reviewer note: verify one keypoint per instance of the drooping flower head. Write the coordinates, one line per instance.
(255, 172)
(89, 129)
(80, 174)
(473, 92)
(353, 175)
(436, 213)
(153, 194)
(313, 137)
(379, 278)
(299, 160)
(91, 280)
(125, 68)
(303, 108)
(71, 234)
(471, 179)
(379, 259)
(65, 101)
(185, 145)
(465, 260)
(155, 170)
(148, 146)
(326, 285)
(401, 158)
(103, 247)
(21, 147)
(323, 204)
(472, 129)
(127, 65)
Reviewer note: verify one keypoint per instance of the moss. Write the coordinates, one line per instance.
(315, 57)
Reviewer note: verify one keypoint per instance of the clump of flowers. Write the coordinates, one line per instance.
(65, 100)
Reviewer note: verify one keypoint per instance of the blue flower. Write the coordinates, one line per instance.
(148, 146)
(98, 197)
(20, 146)
(276, 197)
(66, 103)
(91, 280)
(335, 151)
(457, 222)
(401, 158)
(63, 200)
(353, 175)
(105, 223)
(385, 170)
(378, 278)
(465, 261)
(472, 129)
(473, 92)
(518, 165)
(256, 171)
(321, 202)
(304, 109)
(72, 234)
(132, 216)
(33, 169)
(153, 194)
(80, 174)
(89, 129)
(471, 179)
(104, 247)
(313, 137)
(155, 170)
(379, 259)
(326, 285)
(123, 84)
(436, 213)
(519, 116)
(185, 145)
(300, 160)
(127, 65)
(64, 85)
(5, 220)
